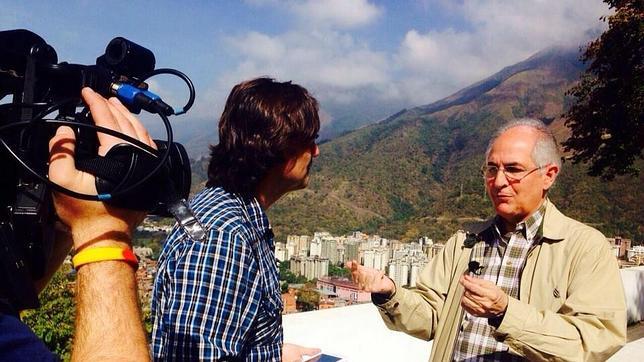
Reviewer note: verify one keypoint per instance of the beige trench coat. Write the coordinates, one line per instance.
(571, 304)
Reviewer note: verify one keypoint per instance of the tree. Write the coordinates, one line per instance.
(288, 276)
(308, 298)
(606, 116)
(53, 322)
(284, 287)
(338, 271)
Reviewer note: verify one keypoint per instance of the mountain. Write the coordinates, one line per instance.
(416, 172)
(363, 111)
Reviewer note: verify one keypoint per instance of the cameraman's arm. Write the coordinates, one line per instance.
(108, 318)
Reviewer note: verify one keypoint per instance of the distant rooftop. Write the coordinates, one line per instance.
(344, 282)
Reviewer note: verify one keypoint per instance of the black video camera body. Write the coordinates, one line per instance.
(132, 175)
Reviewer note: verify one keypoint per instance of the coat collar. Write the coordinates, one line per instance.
(554, 223)
(552, 227)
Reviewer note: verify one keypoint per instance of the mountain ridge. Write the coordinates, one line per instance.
(422, 163)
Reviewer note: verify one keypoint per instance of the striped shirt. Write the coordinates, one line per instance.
(503, 257)
(219, 299)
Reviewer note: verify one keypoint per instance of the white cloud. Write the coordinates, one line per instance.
(499, 33)
(324, 59)
(336, 13)
(322, 52)
(261, 47)
(447, 53)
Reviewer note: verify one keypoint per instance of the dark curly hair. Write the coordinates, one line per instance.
(263, 122)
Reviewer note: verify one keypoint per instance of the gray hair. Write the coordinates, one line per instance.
(545, 151)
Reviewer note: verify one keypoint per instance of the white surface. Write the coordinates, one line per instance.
(631, 352)
(633, 281)
(355, 333)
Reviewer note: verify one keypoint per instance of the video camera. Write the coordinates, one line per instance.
(132, 175)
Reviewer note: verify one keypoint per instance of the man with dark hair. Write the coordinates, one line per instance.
(219, 298)
(529, 284)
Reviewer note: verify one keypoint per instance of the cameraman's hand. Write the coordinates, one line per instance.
(91, 222)
(108, 318)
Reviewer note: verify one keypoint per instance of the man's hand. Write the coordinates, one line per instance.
(294, 353)
(369, 279)
(483, 298)
(91, 222)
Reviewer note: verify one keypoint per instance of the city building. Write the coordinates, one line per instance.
(352, 250)
(281, 252)
(407, 262)
(620, 246)
(399, 271)
(292, 247)
(327, 299)
(416, 267)
(433, 250)
(299, 243)
(329, 250)
(376, 258)
(145, 277)
(636, 255)
(343, 288)
(310, 267)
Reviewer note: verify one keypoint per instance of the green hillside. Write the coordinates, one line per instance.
(416, 173)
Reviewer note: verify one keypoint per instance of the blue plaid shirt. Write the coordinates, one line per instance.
(219, 299)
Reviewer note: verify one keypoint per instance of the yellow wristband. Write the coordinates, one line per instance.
(92, 255)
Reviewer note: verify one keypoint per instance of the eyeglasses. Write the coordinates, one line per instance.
(512, 173)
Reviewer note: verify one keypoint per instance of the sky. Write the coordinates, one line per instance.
(353, 55)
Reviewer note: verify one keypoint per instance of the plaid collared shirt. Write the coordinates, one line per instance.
(219, 299)
(503, 258)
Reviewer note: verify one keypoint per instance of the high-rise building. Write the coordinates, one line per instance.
(352, 251)
(329, 250)
(341, 258)
(399, 272)
(299, 244)
(438, 247)
(292, 247)
(305, 245)
(416, 267)
(423, 241)
(310, 267)
(281, 252)
(376, 258)
(407, 263)
(315, 247)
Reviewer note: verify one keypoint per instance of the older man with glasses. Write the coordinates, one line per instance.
(540, 286)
